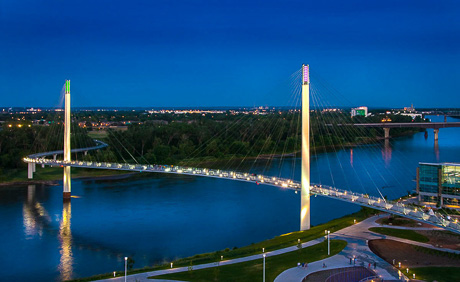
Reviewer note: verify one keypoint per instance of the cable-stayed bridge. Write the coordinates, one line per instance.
(304, 186)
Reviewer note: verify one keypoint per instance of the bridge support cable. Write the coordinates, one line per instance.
(337, 95)
(126, 150)
(279, 129)
(372, 150)
(343, 136)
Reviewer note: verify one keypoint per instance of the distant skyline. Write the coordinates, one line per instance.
(228, 53)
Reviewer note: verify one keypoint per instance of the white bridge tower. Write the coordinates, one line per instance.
(67, 179)
(305, 180)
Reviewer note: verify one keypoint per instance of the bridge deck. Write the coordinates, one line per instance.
(412, 212)
(99, 145)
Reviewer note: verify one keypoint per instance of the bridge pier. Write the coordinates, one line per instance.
(386, 130)
(86, 153)
(30, 171)
(54, 157)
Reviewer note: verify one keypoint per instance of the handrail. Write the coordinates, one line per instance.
(412, 212)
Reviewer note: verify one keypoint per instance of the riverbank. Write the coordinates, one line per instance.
(229, 161)
(52, 176)
(279, 242)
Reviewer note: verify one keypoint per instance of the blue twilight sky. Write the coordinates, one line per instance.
(160, 53)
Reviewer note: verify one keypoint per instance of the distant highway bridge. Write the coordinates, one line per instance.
(387, 125)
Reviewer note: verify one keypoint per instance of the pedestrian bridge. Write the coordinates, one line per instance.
(397, 208)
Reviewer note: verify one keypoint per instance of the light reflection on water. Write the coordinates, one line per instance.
(65, 237)
(386, 152)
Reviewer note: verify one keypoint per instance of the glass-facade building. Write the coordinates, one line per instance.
(439, 184)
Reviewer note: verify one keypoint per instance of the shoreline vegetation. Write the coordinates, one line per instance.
(19, 176)
(186, 140)
(278, 242)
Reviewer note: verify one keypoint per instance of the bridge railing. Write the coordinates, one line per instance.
(394, 207)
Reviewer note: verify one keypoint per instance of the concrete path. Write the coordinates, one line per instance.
(356, 235)
(143, 276)
(356, 248)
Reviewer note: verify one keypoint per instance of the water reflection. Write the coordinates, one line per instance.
(351, 157)
(436, 150)
(36, 220)
(386, 152)
(34, 215)
(65, 238)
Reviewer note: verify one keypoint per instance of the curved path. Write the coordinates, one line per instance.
(99, 145)
(356, 236)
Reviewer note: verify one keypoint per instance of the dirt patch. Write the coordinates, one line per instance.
(353, 273)
(411, 255)
(400, 221)
(442, 239)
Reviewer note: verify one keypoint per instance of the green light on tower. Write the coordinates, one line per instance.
(67, 86)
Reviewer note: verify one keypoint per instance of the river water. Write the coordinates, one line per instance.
(160, 217)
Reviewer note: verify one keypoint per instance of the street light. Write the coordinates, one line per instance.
(114, 273)
(171, 264)
(263, 250)
(264, 269)
(126, 266)
(327, 232)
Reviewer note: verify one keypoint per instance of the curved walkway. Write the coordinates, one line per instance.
(99, 145)
(143, 276)
(357, 237)
(356, 248)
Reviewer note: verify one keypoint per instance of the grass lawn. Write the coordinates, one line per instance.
(98, 134)
(54, 173)
(401, 233)
(278, 242)
(252, 270)
(440, 274)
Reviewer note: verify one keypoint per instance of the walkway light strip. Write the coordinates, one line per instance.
(366, 200)
(306, 74)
